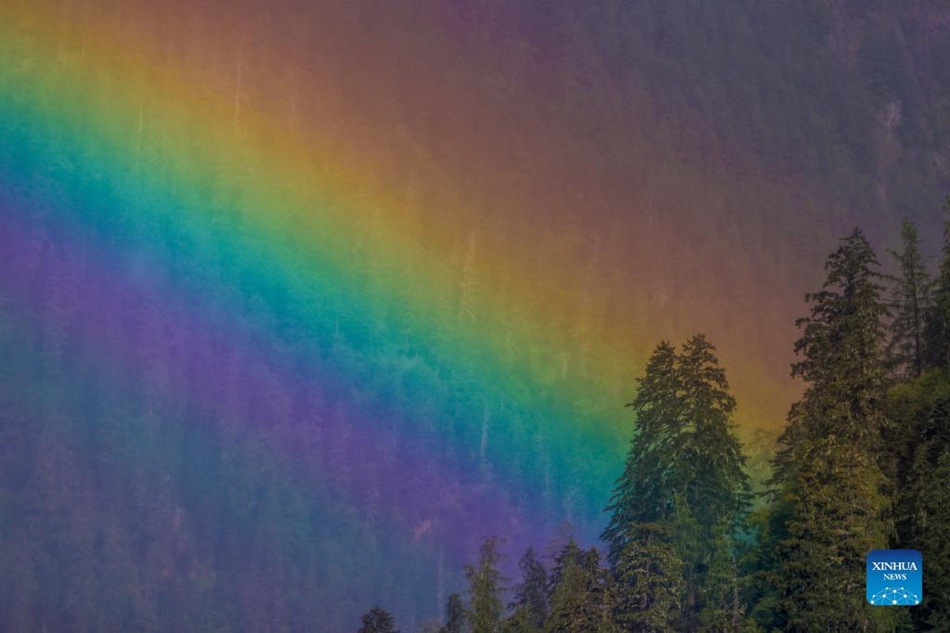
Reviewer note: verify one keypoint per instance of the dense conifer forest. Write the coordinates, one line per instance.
(863, 464)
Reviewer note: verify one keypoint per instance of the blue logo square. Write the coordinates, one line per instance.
(895, 577)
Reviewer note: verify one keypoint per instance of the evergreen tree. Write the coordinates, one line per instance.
(520, 622)
(836, 507)
(842, 354)
(692, 548)
(722, 603)
(831, 490)
(649, 573)
(582, 599)
(911, 304)
(938, 326)
(708, 467)
(641, 494)
(684, 443)
(454, 615)
(531, 600)
(485, 589)
(569, 554)
(684, 468)
(925, 505)
(762, 565)
(377, 620)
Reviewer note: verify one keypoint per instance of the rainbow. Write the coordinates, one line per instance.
(415, 320)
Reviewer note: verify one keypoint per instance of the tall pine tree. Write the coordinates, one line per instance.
(485, 589)
(531, 596)
(831, 491)
(454, 615)
(911, 303)
(938, 325)
(685, 471)
(708, 464)
(842, 353)
(642, 492)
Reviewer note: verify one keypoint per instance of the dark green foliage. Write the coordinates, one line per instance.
(683, 444)
(568, 554)
(685, 469)
(710, 466)
(377, 620)
(485, 589)
(641, 494)
(649, 573)
(454, 615)
(832, 494)
(938, 326)
(582, 595)
(929, 497)
(911, 304)
(531, 596)
(520, 622)
(923, 505)
(692, 547)
(834, 517)
(858, 468)
(761, 564)
(841, 354)
(924, 466)
(722, 604)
